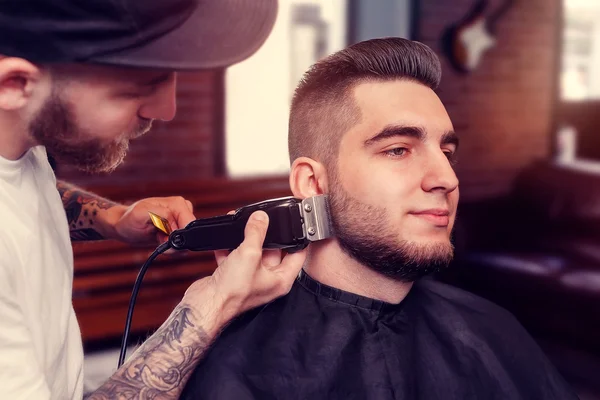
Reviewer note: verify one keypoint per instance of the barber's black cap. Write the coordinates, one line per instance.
(170, 34)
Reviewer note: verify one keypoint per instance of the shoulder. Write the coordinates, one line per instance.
(41, 162)
(39, 154)
(478, 329)
(478, 325)
(466, 316)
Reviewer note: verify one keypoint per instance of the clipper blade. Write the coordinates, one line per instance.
(317, 218)
(160, 223)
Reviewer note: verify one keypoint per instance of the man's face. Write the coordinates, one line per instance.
(93, 112)
(394, 194)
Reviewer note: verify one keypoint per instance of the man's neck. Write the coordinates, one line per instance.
(328, 264)
(14, 141)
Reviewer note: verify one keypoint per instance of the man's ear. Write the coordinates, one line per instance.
(308, 178)
(18, 78)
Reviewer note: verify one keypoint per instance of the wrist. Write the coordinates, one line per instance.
(211, 311)
(108, 221)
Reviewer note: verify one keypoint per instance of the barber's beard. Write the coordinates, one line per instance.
(365, 234)
(56, 128)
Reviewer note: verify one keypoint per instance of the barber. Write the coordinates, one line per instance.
(78, 80)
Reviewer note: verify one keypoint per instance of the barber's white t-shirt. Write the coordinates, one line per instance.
(41, 353)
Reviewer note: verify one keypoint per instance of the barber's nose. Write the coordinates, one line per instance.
(439, 175)
(162, 105)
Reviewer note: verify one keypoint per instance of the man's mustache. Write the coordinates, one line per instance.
(143, 127)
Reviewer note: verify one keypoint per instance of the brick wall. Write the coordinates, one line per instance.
(503, 110)
(186, 148)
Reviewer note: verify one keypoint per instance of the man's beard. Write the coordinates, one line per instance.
(364, 233)
(56, 128)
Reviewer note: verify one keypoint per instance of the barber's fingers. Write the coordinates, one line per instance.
(177, 210)
(271, 258)
(221, 255)
(162, 238)
(291, 265)
(254, 235)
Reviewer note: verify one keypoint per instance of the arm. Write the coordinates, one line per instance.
(90, 217)
(244, 279)
(162, 365)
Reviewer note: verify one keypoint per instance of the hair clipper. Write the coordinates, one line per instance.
(293, 224)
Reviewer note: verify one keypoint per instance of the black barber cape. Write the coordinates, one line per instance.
(319, 342)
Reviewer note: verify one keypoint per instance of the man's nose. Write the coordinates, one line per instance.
(439, 175)
(162, 105)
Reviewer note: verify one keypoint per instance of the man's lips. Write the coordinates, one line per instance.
(436, 216)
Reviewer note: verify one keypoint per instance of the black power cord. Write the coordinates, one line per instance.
(136, 287)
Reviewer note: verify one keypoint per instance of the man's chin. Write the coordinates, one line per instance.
(103, 167)
(431, 241)
(92, 164)
(433, 250)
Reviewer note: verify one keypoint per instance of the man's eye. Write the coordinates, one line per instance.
(451, 157)
(396, 152)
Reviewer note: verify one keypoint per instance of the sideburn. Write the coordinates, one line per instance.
(363, 234)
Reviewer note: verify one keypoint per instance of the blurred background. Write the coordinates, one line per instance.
(521, 82)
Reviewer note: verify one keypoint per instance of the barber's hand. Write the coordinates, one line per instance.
(248, 276)
(133, 226)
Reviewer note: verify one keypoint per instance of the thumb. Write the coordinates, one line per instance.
(165, 213)
(255, 231)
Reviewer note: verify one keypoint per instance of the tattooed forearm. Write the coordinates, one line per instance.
(82, 210)
(160, 368)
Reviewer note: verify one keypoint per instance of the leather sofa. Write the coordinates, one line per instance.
(536, 252)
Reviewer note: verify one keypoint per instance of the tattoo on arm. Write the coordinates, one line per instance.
(162, 365)
(82, 210)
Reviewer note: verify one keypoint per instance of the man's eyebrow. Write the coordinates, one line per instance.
(450, 137)
(417, 132)
(397, 130)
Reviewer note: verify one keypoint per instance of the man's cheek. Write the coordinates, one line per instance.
(373, 188)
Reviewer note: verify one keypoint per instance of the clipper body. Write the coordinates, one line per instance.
(293, 224)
